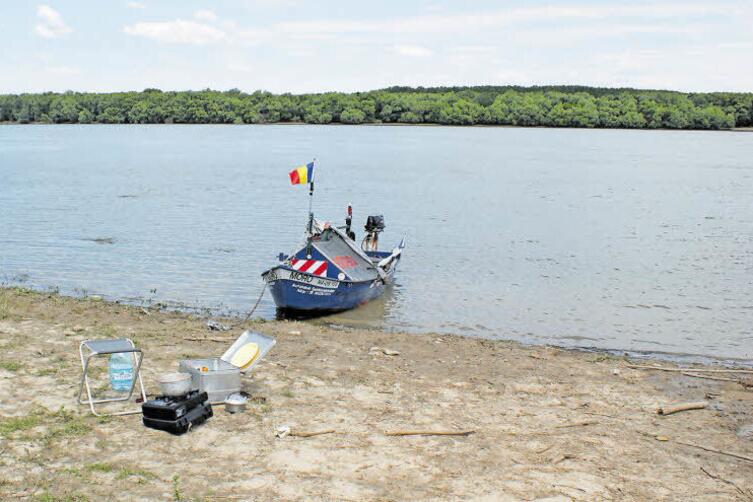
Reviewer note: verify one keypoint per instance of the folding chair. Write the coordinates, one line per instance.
(105, 348)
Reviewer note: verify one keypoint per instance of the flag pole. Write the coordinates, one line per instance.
(311, 200)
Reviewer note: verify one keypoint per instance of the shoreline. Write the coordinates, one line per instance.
(381, 124)
(228, 316)
(547, 422)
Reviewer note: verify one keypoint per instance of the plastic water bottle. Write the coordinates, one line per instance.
(121, 372)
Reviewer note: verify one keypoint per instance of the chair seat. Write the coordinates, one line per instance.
(110, 346)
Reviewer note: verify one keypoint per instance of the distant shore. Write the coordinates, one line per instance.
(544, 106)
(394, 124)
(542, 422)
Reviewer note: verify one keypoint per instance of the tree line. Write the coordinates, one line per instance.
(550, 106)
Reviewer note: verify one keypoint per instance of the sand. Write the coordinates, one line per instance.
(549, 424)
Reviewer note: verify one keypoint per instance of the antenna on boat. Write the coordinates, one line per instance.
(311, 200)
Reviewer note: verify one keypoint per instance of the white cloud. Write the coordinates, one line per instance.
(493, 20)
(63, 70)
(135, 5)
(177, 32)
(205, 15)
(412, 50)
(51, 24)
(240, 68)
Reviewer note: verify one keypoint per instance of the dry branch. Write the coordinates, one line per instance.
(747, 494)
(720, 452)
(668, 410)
(428, 433)
(577, 424)
(312, 433)
(703, 370)
(720, 379)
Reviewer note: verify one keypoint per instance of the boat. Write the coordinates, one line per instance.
(331, 272)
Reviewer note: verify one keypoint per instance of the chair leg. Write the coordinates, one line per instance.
(83, 373)
(138, 375)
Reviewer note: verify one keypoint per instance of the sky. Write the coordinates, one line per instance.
(302, 46)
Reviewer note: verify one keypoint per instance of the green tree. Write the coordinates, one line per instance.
(85, 117)
(353, 116)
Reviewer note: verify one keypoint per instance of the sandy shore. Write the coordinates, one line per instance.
(549, 424)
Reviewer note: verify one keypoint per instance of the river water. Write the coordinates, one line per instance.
(625, 240)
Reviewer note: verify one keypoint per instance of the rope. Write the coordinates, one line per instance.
(251, 312)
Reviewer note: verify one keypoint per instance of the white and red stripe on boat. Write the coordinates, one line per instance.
(314, 267)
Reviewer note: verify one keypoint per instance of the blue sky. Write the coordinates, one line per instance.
(299, 46)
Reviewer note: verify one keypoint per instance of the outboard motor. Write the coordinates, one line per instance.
(374, 226)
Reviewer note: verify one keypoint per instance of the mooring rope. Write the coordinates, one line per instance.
(251, 312)
(213, 325)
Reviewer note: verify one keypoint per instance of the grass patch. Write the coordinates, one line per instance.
(51, 371)
(288, 393)
(99, 467)
(62, 424)
(143, 474)
(12, 366)
(72, 472)
(108, 331)
(69, 426)
(49, 497)
(4, 305)
(177, 495)
(105, 419)
(18, 424)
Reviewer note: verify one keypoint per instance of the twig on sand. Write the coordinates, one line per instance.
(311, 433)
(598, 414)
(218, 340)
(428, 433)
(702, 370)
(668, 410)
(745, 493)
(571, 488)
(720, 452)
(720, 379)
(577, 424)
(566, 456)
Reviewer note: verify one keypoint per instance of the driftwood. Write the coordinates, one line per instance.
(694, 370)
(311, 434)
(719, 379)
(668, 410)
(747, 494)
(720, 452)
(428, 433)
(577, 424)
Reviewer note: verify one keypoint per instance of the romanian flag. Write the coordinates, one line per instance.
(302, 175)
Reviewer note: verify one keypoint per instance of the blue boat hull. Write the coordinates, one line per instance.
(297, 295)
(330, 275)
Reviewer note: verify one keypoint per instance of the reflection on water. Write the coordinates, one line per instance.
(624, 240)
(374, 314)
